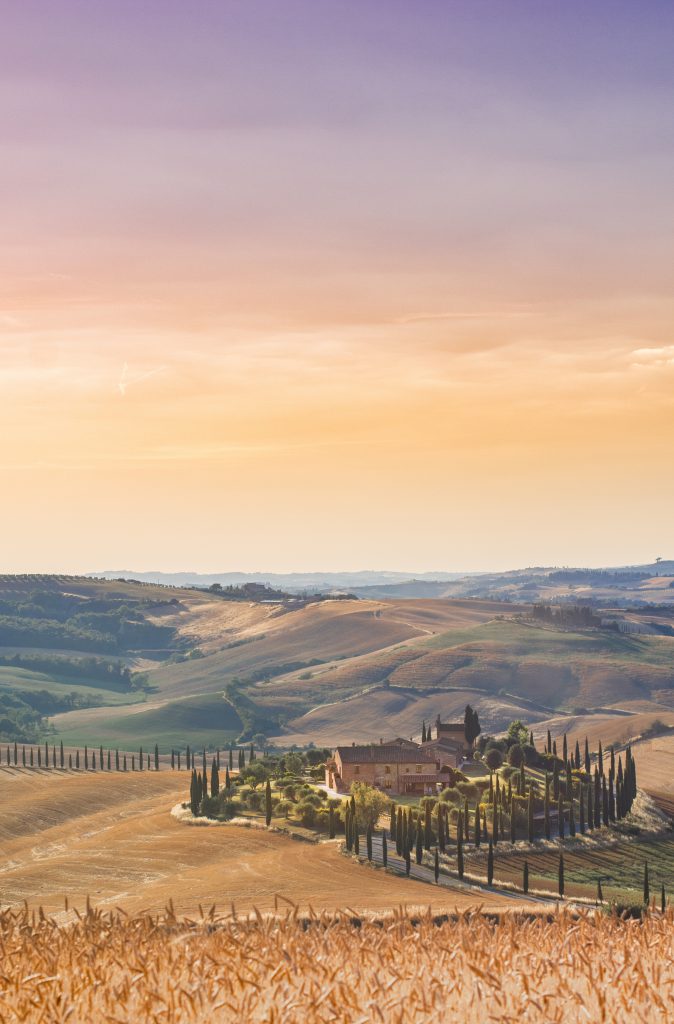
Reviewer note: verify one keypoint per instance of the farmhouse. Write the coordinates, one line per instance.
(395, 767)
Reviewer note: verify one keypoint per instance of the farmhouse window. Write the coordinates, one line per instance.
(387, 769)
(419, 767)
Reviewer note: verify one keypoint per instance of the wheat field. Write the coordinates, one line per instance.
(109, 967)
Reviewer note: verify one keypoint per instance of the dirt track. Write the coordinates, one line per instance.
(112, 837)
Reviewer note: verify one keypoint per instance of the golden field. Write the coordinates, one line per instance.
(110, 967)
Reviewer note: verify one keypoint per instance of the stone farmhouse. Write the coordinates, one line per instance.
(399, 766)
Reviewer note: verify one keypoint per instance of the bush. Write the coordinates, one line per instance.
(516, 755)
(468, 790)
(229, 808)
(450, 796)
(255, 799)
(493, 758)
(306, 812)
(284, 807)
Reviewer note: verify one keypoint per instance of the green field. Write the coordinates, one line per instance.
(21, 679)
(206, 720)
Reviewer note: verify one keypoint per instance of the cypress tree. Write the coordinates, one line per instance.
(393, 820)
(611, 798)
(459, 827)
(331, 815)
(597, 799)
(459, 857)
(572, 820)
(560, 873)
(436, 866)
(647, 891)
(86, 758)
(384, 848)
(423, 732)
(46, 754)
(600, 894)
(560, 817)
(117, 759)
(203, 760)
(173, 759)
(663, 900)
(442, 828)
(9, 756)
(77, 758)
(93, 760)
(251, 756)
(465, 820)
(546, 808)
(565, 750)
(619, 801)
(215, 778)
(31, 757)
(513, 822)
(228, 781)
(531, 739)
(604, 799)
(522, 780)
(554, 749)
(140, 759)
(428, 830)
(530, 815)
(555, 780)
(590, 807)
(612, 767)
(420, 843)
(408, 863)
(477, 825)
(491, 787)
(268, 809)
(356, 837)
(125, 768)
(581, 809)
(494, 825)
(23, 756)
(576, 760)
(133, 763)
(587, 757)
(195, 792)
(53, 755)
(188, 759)
(401, 832)
(70, 762)
(217, 757)
(347, 827)
(100, 759)
(179, 761)
(548, 747)
(108, 760)
(16, 753)
(600, 759)
(156, 757)
(490, 864)
(525, 877)
(39, 756)
(231, 757)
(148, 765)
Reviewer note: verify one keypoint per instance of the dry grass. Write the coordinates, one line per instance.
(113, 968)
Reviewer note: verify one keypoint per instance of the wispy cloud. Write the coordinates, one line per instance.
(126, 379)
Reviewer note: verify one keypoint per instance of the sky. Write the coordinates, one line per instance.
(325, 284)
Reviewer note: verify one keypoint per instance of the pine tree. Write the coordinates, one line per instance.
(268, 809)
(490, 864)
(156, 757)
(647, 891)
(215, 778)
(560, 874)
(525, 877)
(436, 866)
(384, 848)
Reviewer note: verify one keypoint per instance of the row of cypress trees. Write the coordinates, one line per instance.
(89, 758)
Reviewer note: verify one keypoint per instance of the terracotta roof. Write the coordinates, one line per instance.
(382, 753)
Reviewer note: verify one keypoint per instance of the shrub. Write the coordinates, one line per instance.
(255, 799)
(516, 755)
(493, 758)
(306, 812)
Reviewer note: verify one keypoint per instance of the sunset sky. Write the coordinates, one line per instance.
(336, 284)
